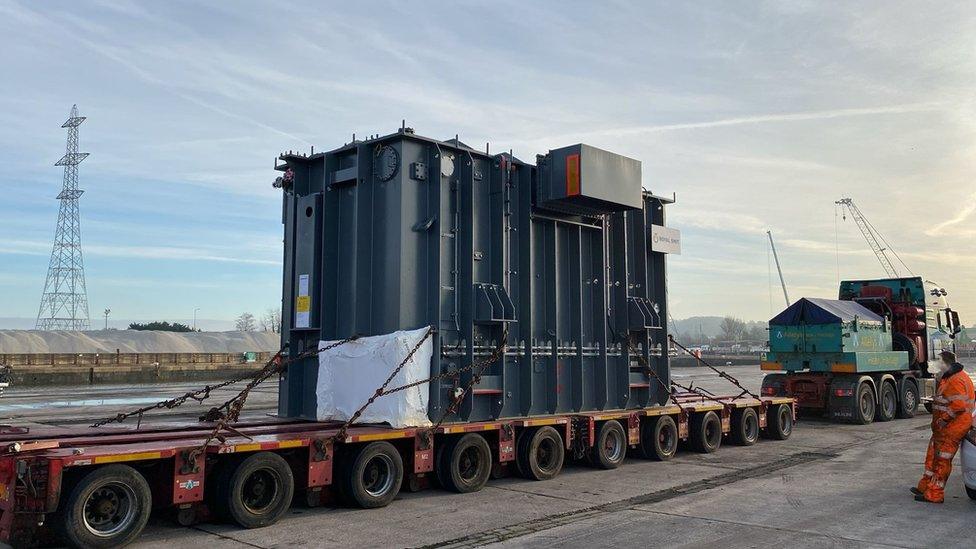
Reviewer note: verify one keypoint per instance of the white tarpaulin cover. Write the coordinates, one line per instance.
(350, 373)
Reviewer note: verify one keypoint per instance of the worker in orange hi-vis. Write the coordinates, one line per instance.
(952, 417)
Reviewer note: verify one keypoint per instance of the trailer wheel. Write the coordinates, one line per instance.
(745, 427)
(659, 438)
(109, 507)
(371, 475)
(610, 448)
(779, 422)
(706, 432)
(864, 404)
(889, 403)
(540, 453)
(465, 464)
(908, 400)
(255, 492)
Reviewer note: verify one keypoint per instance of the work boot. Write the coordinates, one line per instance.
(915, 491)
(921, 497)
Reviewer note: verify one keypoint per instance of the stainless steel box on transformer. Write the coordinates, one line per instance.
(401, 232)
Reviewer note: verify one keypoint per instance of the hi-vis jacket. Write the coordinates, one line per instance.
(953, 404)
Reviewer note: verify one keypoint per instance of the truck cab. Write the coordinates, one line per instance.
(923, 324)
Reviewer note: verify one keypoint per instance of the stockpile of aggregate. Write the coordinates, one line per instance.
(135, 341)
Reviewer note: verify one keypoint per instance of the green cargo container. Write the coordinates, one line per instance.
(825, 335)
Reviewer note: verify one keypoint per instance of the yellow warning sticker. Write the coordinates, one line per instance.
(303, 303)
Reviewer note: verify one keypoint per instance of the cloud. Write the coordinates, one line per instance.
(721, 221)
(963, 214)
(172, 253)
(762, 119)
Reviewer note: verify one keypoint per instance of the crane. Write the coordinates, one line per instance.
(875, 239)
(778, 269)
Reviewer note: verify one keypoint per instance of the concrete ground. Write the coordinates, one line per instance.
(830, 485)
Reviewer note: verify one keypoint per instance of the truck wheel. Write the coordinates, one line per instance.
(706, 432)
(540, 453)
(255, 492)
(109, 507)
(779, 422)
(889, 403)
(928, 407)
(908, 400)
(901, 342)
(465, 464)
(371, 475)
(659, 438)
(864, 404)
(611, 445)
(971, 492)
(745, 427)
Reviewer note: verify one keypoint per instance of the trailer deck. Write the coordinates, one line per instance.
(41, 468)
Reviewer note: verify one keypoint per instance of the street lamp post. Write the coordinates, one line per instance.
(195, 318)
(107, 312)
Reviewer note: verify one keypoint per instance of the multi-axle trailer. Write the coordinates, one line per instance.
(97, 487)
(541, 289)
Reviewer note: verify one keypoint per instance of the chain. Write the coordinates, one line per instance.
(274, 365)
(199, 395)
(716, 370)
(235, 404)
(475, 379)
(652, 374)
(341, 433)
(476, 366)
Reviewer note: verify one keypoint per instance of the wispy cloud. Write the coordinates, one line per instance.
(624, 131)
(964, 213)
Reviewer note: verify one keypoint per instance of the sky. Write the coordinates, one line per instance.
(757, 116)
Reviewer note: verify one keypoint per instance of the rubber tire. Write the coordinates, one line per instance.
(231, 483)
(448, 465)
(598, 454)
(703, 425)
(350, 483)
(971, 492)
(928, 407)
(527, 453)
(864, 393)
(779, 422)
(907, 412)
(72, 513)
(901, 342)
(652, 429)
(744, 421)
(887, 390)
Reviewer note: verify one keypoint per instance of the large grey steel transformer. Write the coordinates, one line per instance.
(401, 232)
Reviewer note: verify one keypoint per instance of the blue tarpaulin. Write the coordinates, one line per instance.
(812, 310)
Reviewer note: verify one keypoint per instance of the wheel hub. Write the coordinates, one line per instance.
(109, 509)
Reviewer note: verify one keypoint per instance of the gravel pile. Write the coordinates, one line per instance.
(133, 341)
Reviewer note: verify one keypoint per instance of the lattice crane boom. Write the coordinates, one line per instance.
(872, 236)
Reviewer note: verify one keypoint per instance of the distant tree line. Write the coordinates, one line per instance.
(161, 326)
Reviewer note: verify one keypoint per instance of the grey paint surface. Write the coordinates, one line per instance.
(401, 232)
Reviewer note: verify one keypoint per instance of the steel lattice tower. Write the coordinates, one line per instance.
(64, 305)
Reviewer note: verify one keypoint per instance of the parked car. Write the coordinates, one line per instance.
(969, 463)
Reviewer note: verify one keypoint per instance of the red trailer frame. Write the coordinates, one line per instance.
(40, 468)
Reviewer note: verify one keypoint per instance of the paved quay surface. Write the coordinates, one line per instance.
(829, 485)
